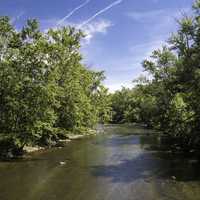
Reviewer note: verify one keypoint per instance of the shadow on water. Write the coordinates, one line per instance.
(153, 162)
(147, 167)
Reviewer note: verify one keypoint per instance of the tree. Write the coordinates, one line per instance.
(45, 89)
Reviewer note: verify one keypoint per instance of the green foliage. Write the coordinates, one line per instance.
(169, 101)
(44, 87)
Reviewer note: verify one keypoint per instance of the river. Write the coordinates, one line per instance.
(119, 164)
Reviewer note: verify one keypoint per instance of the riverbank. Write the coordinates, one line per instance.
(60, 143)
(13, 152)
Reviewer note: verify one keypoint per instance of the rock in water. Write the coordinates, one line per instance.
(173, 177)
(62, 163)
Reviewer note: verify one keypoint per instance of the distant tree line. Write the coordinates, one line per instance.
(46, 91)
(170, 99)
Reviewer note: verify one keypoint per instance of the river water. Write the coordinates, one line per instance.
(121, 164)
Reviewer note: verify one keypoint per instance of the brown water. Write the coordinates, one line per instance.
(118, 165)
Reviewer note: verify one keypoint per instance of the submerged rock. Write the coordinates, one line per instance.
(62, 143)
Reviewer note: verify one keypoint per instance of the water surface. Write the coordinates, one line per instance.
(121, 164)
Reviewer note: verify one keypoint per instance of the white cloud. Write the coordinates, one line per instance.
(90, 30)
(94, 28)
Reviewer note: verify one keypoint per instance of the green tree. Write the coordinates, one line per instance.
(45, 89)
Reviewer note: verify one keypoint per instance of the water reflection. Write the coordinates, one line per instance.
(147, 166)
(141, 167)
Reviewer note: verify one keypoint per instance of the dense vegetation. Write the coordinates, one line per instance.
(45, 90)
(169, 99)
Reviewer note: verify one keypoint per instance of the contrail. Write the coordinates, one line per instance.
(100, 12)
(73, 11)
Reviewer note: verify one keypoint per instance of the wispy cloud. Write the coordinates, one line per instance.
(115, 3)
(158, 23)
(157, 15)
(72, 12)
(91, 29)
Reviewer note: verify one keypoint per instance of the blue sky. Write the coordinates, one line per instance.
(119, 33)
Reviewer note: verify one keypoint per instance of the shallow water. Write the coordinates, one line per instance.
(121, 164)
